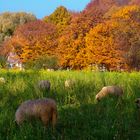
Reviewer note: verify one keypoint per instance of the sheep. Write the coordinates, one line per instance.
(2, 80)
(44, 85)
(50, 69)
(112, 90)
(44, 109)
(69, 83)
(137, 101)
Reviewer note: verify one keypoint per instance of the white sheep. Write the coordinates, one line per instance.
(50, 69)
(2, 80)
(69, 83)
(44, 85)
(44, 109)
(109, 90)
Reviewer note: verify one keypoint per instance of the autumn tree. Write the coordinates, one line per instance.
(72, 42)
(134, 2)
(115, 42)
(131, 21)
(101, 46)
(33, 40)
(97, 8)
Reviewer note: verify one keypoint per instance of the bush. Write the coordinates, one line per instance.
(44, 62)
(3, 61)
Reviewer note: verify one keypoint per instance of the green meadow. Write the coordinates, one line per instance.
(80, 117)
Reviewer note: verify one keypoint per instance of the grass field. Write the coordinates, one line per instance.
(79, 116)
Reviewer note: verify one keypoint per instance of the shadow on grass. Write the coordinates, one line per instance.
(82, 122)
(99, 121)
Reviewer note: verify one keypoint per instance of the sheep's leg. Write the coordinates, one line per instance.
(19, 117)
(54, 119)
(45, 119)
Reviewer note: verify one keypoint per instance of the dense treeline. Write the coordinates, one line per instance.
(106, 32)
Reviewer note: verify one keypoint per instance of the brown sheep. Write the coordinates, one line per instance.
(137, 101)
(44, 109)
(112, 90)
(44, 85)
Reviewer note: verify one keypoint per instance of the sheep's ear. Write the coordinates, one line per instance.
(136, 101)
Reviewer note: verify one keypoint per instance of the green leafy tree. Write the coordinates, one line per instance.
(9, 22)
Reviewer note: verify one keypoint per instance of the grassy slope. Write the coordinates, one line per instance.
(80, 118)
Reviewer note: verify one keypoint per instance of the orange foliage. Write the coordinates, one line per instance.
(115, 42)
(33, 40)
(105, 32)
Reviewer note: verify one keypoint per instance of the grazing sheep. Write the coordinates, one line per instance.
(2, 80)
(44, 85)
(112, 90)
(137, 101)
(69, 83)
(50, 69)
(44, 109)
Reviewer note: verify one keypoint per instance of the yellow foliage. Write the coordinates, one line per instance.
(127, 12)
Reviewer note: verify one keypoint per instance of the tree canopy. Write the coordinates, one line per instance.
(106, 32)
(9, 22)
(33, 40)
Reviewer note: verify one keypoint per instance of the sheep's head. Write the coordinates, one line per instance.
(137, 101)
(44, 85)
(98, 98)
(101, 94)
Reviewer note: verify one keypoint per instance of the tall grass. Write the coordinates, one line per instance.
(80, 117)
